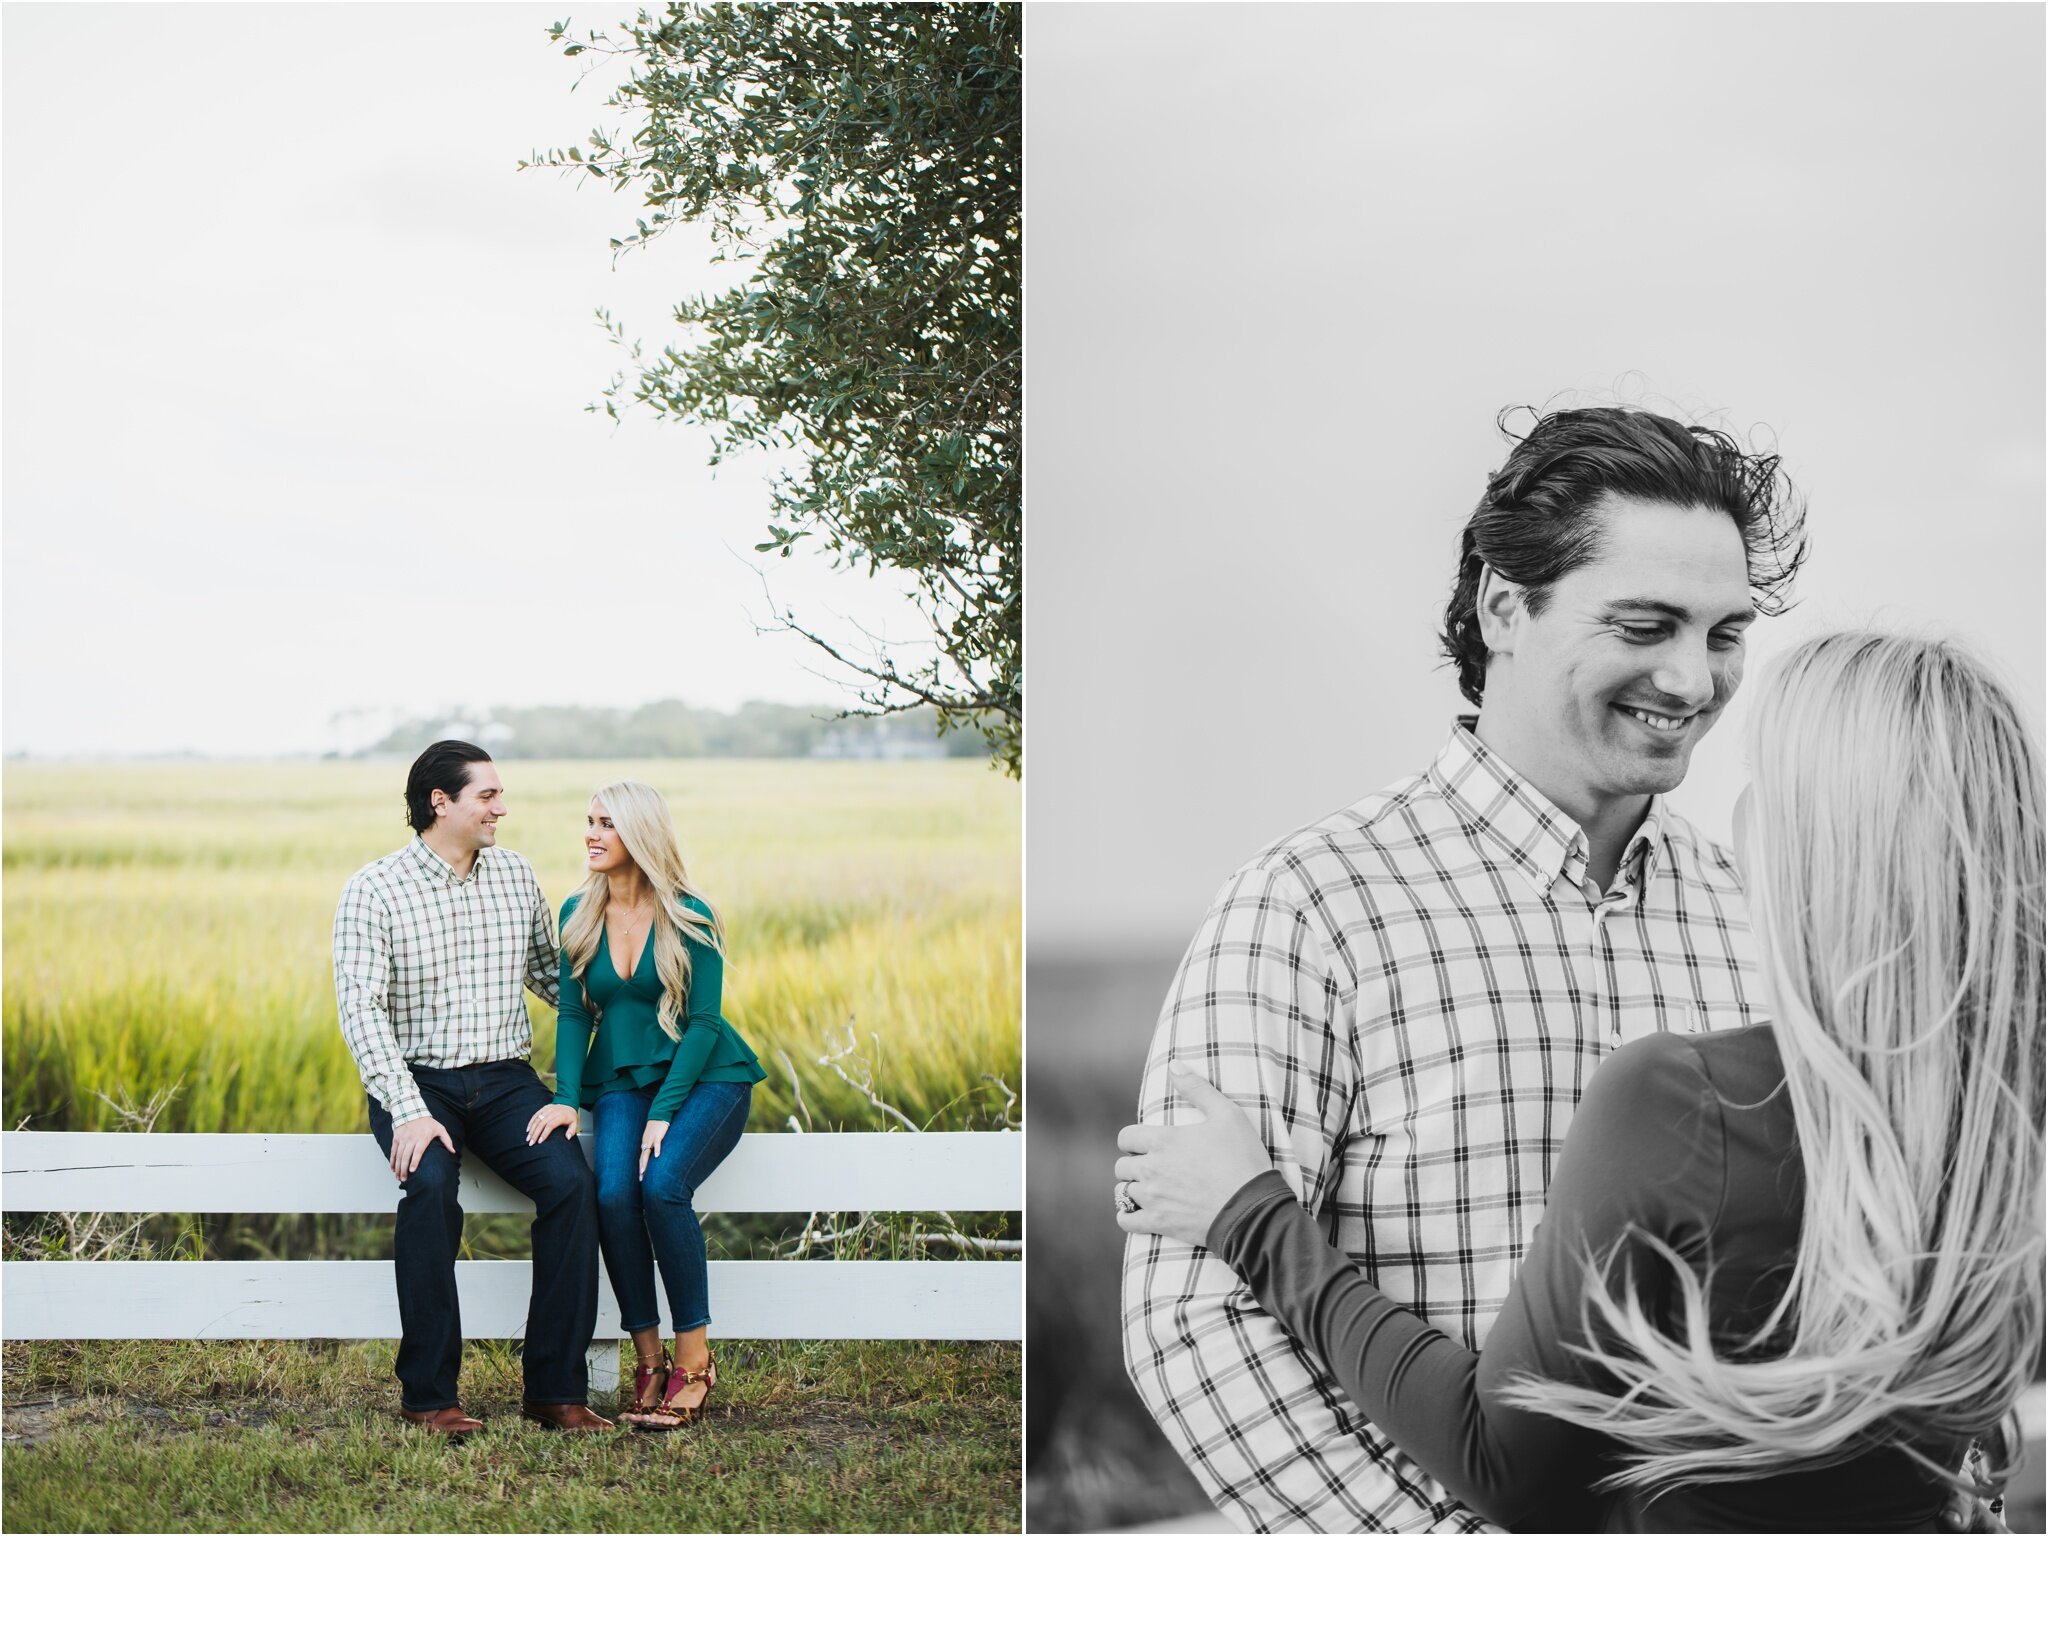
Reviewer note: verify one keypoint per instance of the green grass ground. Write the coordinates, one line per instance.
(302, 1437)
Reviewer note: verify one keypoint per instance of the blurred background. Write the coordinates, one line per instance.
(1285, 265)
(331, 366)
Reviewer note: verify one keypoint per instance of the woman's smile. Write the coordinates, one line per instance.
(602, 847)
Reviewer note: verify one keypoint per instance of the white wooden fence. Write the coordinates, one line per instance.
(350, 1300)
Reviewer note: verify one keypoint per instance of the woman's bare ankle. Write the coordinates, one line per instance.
(693, 1349)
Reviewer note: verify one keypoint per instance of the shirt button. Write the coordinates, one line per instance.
(1614, 1040)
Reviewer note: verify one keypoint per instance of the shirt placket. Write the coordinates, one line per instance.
(1657, 1000)
(469, 1012)
(1599, 1000)
(1616, 900)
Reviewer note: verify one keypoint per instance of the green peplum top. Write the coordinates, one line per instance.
(631, 1051)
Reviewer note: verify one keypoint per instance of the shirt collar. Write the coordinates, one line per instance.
(1537, 834)
(1646, 846)
(436, 868)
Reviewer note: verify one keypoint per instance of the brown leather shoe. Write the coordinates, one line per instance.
(568, 1417)
(450, 1422)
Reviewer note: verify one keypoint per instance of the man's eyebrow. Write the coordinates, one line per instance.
(1671, 610)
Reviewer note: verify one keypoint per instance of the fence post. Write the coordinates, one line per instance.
(603, 1360)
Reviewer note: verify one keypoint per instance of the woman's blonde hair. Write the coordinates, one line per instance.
(1895, 880)
(642, 821)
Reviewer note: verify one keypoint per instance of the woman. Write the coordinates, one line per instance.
(668, 1078)
(1786, 1273)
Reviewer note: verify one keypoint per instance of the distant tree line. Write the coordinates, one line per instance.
(672, 728)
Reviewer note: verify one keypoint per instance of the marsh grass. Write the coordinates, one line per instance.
(171, 924)
(300, 1437)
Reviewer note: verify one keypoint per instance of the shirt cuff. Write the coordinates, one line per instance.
(403, 1102)
(1237, 1223)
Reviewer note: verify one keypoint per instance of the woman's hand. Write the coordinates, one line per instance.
(555, 1116)
(650, 1141)
(1179, 1177)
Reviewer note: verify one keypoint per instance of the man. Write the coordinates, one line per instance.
(432, 946)
(1411, 995)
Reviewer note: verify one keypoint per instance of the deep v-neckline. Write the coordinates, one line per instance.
(612, 955)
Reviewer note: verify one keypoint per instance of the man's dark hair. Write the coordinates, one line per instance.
(442, 766)
(1538, 519)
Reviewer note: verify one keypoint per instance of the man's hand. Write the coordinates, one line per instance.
(555, 1116)
(410, 1141)
(650, 1141)
(1174, 1180)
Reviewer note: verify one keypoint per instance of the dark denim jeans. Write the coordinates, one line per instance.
(642, 1220)
(485, 1109)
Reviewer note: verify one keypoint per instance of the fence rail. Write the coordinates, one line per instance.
(92, 1170)
(347, 1300)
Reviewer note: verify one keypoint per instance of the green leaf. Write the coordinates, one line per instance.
(862, 164)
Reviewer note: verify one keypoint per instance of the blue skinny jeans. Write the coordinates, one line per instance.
(644, 1220)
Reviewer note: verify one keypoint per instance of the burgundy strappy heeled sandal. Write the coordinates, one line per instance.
(668, 1418)
(646, 1375)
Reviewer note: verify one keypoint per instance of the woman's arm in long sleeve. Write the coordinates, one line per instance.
(572, 1033)
(700, 1031)
(1639, 1155)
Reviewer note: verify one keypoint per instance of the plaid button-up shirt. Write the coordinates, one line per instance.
(1409, 997)
(429, 965)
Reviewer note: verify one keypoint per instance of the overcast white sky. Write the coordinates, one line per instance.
(294, 373)
(1283, 266)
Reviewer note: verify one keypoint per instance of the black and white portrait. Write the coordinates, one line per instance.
(1535, 520)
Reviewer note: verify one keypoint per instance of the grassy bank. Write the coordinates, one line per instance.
(170, 925)
(1095, 1459)
(300, 1437)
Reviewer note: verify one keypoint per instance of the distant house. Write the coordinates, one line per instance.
(878, 741)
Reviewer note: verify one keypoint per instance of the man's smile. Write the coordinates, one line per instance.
(1659, 724)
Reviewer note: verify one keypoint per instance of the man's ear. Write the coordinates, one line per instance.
(1499, 605)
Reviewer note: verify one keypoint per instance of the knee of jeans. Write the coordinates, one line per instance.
(565, 1179)
(438, 1178)
(618, 1191)
(668, 1194)
(577, 1180)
